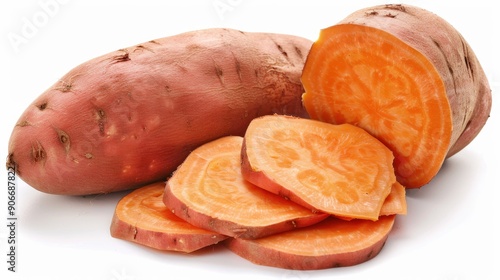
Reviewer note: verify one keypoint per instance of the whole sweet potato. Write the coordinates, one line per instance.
(132, 116)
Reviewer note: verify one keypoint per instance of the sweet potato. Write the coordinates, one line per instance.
(327, 244)
(405, 75)
(141, 217)
(130, 117)
(208, 191)
(395, 202)
(337, 169)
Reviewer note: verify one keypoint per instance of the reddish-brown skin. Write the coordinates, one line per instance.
(153, 225)
(260, 253)
(467, 87)
(163, 241)
(132, 116)
(230, 228)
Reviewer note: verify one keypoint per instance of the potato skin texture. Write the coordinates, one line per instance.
(130, 117)
(467, 87)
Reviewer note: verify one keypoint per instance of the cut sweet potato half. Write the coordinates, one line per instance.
(208, 191)
(330, 243)
(141, 217)
(337, 169)
(404, 75)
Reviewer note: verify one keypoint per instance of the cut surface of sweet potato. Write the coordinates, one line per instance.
(405, 75)
(337, 169)
(388, 88)
(209, 191)
(330, 243)
(141, 217)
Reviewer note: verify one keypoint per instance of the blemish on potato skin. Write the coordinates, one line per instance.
(185, 211)
(448, 64)
(11, 163)
(42, 106)
(467, 61)
(299, 52)
(376, 13)
(120, 57)
(371, 13)
(24, 123)
(219, 73)
(101, 119)
(282, 51)
(64, 139)
(67, 84)
(142, 48)
(38, 153)
(370, 255)
(65, 87)
(397, 7)
(101, 114)
(237, 65)
(101, 128)
(135, 233)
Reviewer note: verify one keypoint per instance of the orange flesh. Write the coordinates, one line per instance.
(210, 182)
(337, 169)
(144, 209)
(395, 202)
(367, 77)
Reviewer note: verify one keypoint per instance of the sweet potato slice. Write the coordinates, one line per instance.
(141, 217)
(208, 191)
(337, 169)
(395, 202)
(406, 76)
(330, 243)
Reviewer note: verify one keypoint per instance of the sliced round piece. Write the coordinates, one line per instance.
(208, 191)
(330, 243)
(337, 169)
(141, 217)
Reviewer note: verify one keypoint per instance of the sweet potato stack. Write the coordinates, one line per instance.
(292, 153)
(391, 92)
(286, 195)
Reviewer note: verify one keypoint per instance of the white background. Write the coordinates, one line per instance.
(451, 230)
